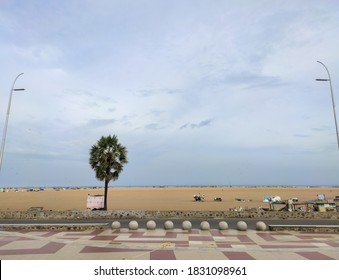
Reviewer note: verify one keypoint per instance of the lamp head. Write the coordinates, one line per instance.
(322, 80)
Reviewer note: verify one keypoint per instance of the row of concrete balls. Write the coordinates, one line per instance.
(187, 225)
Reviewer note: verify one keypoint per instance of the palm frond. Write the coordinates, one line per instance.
(107, 158)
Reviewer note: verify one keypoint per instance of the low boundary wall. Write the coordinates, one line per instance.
(52, 227)
(123, 214)
(305, 228)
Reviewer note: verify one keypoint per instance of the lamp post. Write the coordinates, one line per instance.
(333, 105)
(7, 117)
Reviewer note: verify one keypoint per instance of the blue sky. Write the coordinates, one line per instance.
(200, 92)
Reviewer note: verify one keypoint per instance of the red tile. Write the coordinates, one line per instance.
(171, 234)
(200, 238)
(50, 248)
(223, 245)
(77, 234)
(97, 231)
(281, 233)
(5, 242)
(162, 255)
(267, 236)
(83, 233)
(314, 256)
(179, 243)
(8, 239)
(217, 233)
(103, 237)
(273, 246)
(245, 238)
(311, 236)
(332, 244)
(48, 234)
(238, 256)
(93, 249)
(137, 234)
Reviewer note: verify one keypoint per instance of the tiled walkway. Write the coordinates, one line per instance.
(162, 244)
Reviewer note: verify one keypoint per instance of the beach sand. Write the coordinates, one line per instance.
(167, 198)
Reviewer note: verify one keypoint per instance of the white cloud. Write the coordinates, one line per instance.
(41, 54)
(216, 93)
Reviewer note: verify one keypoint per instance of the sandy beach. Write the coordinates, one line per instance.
(167, 198)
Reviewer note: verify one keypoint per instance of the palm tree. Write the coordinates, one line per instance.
(107, 158)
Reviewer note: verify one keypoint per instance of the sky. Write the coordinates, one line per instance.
(200, 92)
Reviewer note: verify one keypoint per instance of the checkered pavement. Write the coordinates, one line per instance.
(176, 244)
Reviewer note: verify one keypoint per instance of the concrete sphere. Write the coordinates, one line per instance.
(241, 225)
(260, 226)
(186, 225)
(204, 225)
(223, 225)
(115, 225)
(151, 224)
(168, 225)
(133, 225)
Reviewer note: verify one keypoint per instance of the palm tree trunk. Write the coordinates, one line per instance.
(105, 195)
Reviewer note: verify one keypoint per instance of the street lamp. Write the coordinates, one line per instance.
(7, 116)
(333, 105)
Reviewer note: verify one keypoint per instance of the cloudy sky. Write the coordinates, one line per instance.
(200, 92)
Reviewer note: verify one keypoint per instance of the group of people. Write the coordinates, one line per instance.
(199, 197)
